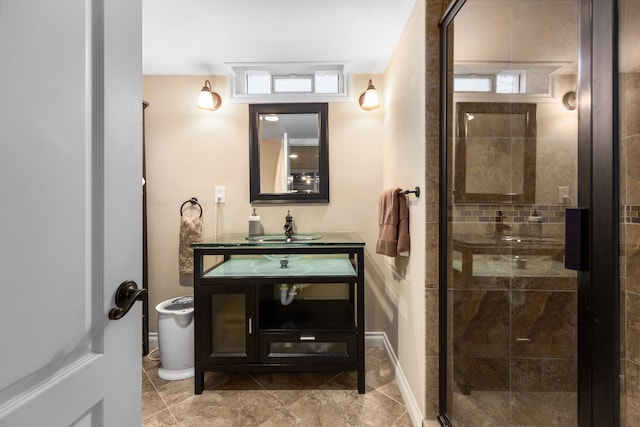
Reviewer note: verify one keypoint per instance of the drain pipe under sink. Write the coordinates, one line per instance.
(287, 295)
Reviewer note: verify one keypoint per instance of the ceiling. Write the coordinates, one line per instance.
(197, 37)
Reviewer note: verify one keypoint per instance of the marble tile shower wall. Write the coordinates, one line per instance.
(630, 244)
(435, 10)
(516, 351)
(514, 339)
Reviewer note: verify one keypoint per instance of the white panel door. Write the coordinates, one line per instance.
(70, 211)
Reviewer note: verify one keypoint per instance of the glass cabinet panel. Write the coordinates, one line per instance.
(289, 348)
(229, 325)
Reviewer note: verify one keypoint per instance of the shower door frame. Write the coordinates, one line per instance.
(598, 314)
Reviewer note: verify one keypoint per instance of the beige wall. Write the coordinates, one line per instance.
(190, 151)
(402, 287)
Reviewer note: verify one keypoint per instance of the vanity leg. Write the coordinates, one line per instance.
(360, 322)
(352, 294)
(198, 380)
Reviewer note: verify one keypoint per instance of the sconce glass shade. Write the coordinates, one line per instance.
(208, 100)
(369, 99)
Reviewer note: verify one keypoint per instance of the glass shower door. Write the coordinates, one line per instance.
(512, 162)
(629, 154)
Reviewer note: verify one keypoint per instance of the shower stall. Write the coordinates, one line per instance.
(540, 214)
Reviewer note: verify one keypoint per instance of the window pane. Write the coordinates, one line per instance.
(327, 82)
(292, 84)
(472, 84)
(258, 82)
(508, 82)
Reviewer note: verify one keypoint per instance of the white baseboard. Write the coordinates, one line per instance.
(376, 340)
(379, 339)
(153, 340)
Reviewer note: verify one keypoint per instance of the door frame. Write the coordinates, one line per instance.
(598, 192)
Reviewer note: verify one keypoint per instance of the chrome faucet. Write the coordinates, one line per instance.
(500, 225)
(288, 225)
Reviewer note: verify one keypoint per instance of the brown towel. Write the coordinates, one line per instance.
(393, 222)
(190, 232)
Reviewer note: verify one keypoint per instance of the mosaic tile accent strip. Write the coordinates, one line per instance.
(513, 213)
(631, 214)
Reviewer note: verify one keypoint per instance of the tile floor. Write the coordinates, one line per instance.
(318, 399)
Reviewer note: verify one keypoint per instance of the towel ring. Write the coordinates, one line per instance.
(193, 201)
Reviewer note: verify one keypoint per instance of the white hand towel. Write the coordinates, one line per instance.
(393, 224)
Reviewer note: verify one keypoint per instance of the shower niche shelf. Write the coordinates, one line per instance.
(243, 324)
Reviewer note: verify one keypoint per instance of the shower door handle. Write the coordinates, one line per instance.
(126, 294)
(576, 243)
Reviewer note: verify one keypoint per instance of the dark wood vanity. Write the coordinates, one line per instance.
(242, 325)
(500, 259)
(472, 244)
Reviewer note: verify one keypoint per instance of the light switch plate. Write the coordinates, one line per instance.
(563, 195)
(220, 194)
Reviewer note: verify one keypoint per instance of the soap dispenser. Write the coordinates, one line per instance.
(255, 228)
(288, 226)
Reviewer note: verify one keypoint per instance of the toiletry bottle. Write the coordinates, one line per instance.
(535, 224)
(255, 228)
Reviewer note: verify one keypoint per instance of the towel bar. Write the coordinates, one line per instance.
(416, 191)
(193, 201)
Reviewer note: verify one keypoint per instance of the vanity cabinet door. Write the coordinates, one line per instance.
(226, 327)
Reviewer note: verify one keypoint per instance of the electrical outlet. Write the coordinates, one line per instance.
(563, 195)
(220, 194)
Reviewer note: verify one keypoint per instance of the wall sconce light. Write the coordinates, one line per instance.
(369, 98)
(570, 101)
(208, 100)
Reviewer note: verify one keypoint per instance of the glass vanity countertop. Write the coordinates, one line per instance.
(318, 239)
(502, 266)
(304, 267)
(480, 241)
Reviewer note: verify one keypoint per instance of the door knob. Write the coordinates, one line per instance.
(126, 294)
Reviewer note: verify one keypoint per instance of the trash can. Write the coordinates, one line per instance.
(175, 338)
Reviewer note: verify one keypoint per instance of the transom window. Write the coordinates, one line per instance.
(289, 82)
(510, 81)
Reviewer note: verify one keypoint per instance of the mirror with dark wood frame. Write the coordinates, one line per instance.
(288, 153)
(500, 134)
